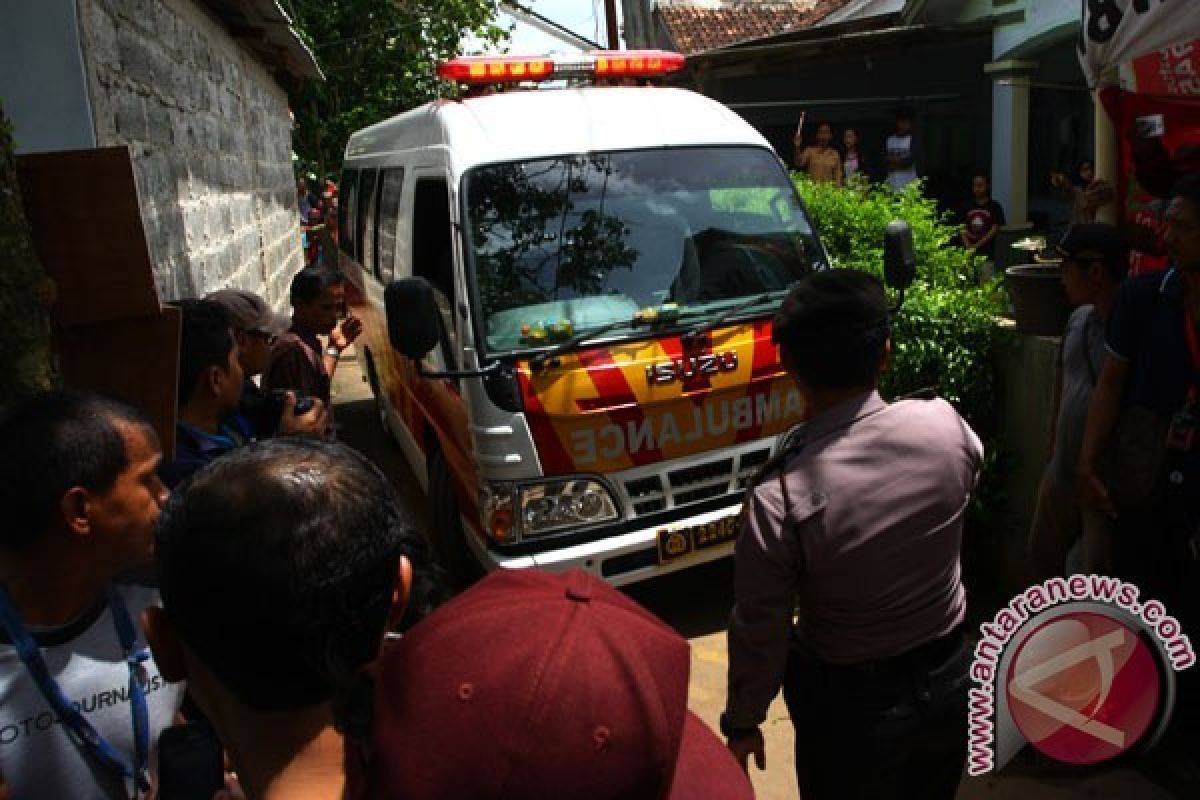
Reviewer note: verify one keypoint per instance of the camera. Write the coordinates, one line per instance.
(278, 397)
(190, 764)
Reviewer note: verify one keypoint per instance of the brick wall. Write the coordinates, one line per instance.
(210, 135)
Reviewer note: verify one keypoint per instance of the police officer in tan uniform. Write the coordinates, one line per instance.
(848, 588)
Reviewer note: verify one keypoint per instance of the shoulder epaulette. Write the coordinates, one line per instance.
(928, 393)
(776, 462)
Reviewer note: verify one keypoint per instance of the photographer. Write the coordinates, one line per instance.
(262, 414)
(210, 391)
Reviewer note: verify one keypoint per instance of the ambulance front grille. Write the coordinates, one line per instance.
(695, 483)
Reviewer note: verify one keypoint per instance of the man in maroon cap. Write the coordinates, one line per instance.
(858, 524)
(532, 685)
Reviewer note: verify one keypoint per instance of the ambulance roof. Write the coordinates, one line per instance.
(521, 125)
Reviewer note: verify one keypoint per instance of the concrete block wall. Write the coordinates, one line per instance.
(210, 134)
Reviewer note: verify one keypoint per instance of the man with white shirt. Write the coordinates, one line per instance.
(81, 700)
(899, 153)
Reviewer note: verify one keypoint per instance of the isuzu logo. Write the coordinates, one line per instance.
(681, 369)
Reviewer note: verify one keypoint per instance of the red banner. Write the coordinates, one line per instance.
(1171, 71)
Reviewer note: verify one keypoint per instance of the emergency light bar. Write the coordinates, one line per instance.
(599, 64)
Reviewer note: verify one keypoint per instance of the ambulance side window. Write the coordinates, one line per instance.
(366, 225)
(391, 182)
(348, 194)
(433, 254)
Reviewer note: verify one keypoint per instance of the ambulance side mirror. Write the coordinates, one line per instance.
(412, 317)
(899, 258)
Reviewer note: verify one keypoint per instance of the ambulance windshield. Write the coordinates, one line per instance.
(563, 245)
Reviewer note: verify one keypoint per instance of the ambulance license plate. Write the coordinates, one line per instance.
(675, 544)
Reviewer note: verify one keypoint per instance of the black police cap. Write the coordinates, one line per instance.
(1094, 241)
(831, 303)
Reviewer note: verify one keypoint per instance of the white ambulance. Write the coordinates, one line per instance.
(568, 291)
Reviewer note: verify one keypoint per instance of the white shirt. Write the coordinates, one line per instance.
(38, 756)
(901, 147)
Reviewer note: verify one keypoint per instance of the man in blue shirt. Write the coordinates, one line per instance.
(210, 388)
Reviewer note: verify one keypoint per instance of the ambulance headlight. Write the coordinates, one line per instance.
(575, 503)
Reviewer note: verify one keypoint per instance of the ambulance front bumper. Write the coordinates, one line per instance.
(632, 557)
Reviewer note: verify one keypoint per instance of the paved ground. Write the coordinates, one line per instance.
(697, 603)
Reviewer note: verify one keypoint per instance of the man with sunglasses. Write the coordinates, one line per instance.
(256, 328)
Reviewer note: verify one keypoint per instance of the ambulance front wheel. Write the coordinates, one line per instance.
(448, 537)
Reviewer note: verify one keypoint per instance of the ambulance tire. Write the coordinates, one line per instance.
(447, 536)
(380, 401)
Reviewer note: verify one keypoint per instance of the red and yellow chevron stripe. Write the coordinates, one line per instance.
(597, 410)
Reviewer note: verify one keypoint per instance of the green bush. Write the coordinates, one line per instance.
(945, 334)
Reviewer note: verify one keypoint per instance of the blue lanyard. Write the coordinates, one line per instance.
(68, 713)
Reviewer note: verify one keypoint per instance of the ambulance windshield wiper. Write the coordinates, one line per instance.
(731, 312)
(539, 361)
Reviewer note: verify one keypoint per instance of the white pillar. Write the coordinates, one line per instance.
(1010, 138)
(1107, 152)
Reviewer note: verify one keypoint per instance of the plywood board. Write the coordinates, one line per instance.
(83, 210)
(136, 359)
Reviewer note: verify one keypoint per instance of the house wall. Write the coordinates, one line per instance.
(209, 131)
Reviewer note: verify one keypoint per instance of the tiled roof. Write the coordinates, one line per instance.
(708, 24)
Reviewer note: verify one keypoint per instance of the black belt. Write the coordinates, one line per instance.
(922, 657)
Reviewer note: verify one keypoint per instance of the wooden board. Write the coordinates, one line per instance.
(82, 206)
(136, 359)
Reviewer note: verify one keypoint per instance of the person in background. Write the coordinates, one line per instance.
(1138, 461)
(900, 152)
(854, 163)
(316, 560)
(1095, 260)
(855, 531)
(590, 701)
(821, 161)
(298, 360)
(1086, 193)
(1156, 169)
(80, 492)
(306, 199)
(982, 219)
(256, 328)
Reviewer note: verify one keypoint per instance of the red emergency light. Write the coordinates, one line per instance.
(599, 64)
(498, 69)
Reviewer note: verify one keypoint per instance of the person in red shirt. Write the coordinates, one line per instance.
(299, 361)
(981, 219)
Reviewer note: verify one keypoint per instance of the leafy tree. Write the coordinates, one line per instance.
(379, 58)
(24, 290)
